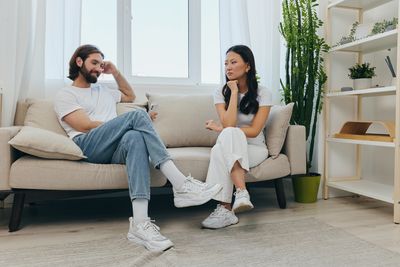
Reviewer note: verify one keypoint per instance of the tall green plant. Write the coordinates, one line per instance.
(305, 75)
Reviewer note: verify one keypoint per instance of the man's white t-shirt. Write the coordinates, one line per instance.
(99, 103)
(264, 98)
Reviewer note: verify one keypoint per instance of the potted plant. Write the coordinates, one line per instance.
(305, 78)
(384, 26)
(351, 37)
(362, 75)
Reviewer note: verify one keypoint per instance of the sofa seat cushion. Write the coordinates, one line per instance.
(270, 169)
(190, 160)
(35, 173)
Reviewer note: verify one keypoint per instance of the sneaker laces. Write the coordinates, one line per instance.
(219, 210)
(150, 227)
(240, 193)
(194, 183)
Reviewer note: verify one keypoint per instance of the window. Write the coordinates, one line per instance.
(160, 38)
(99, 27)
(210, 52)
(151, 41)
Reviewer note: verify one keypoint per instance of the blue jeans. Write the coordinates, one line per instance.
(127, 139)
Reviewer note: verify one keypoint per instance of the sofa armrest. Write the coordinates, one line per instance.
(7, 154)
(295, 149)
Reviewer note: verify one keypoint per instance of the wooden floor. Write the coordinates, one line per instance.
(53, 222)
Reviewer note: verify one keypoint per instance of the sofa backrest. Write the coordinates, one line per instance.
(182, 118)
(180, 122)
(40, 114)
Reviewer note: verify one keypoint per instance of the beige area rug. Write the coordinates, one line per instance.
(306, 242)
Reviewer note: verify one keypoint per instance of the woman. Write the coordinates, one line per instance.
(243, 109)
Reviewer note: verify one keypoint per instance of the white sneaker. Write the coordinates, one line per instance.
(219, 218)
(193, 193)
(242, 201)
(148, 234)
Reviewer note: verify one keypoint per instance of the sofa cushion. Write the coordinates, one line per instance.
(41, 114)
(269, 169)
(181, 119)
(128, 107)
(276, 128)
(46, 144)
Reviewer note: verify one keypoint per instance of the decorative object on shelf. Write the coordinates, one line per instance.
(351, 37)
(346, 88)
(362, 75)
(358, 130)
(390, 66)
(305, 76)
(362, 31)
(384, 26)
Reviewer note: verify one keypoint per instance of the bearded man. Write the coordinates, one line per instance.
(87, 112)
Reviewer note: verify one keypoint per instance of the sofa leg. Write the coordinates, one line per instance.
(2, 197)
(16, 213)
(280, 193)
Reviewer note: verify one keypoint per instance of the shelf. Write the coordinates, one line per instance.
(358, 4)
(376, 91)
(355, 136)
(360, 142)
(370, 44)
(366, 188)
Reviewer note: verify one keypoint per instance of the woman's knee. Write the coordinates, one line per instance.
(232, 132)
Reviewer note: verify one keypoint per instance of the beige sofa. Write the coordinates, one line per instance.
(181, 126)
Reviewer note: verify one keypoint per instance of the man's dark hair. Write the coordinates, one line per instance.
(83, 52)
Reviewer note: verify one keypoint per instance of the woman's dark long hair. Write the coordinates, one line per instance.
(83, 52)
(249, 103)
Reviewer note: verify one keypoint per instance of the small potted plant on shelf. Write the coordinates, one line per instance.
(351, 37)
(384, 26)
(362, 75)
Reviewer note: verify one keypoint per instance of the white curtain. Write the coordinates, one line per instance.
(35, 34)
(254, 23)
(22, 27)
(62, 38)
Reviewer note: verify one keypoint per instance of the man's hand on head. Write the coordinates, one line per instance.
(110, 68)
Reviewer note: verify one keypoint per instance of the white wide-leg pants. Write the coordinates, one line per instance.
(232, 146)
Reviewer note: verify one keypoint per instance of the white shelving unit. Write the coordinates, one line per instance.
(356, 183)
(358, 4)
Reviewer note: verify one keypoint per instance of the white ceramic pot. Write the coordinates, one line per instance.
(362, 83)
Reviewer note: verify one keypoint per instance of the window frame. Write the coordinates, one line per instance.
(124, 42)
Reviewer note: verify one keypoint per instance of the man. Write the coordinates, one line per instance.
(87, 112)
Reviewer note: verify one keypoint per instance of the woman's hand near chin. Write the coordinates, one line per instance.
(213, 126)
(233, 86)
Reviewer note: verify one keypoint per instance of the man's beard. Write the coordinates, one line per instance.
(89, 77)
